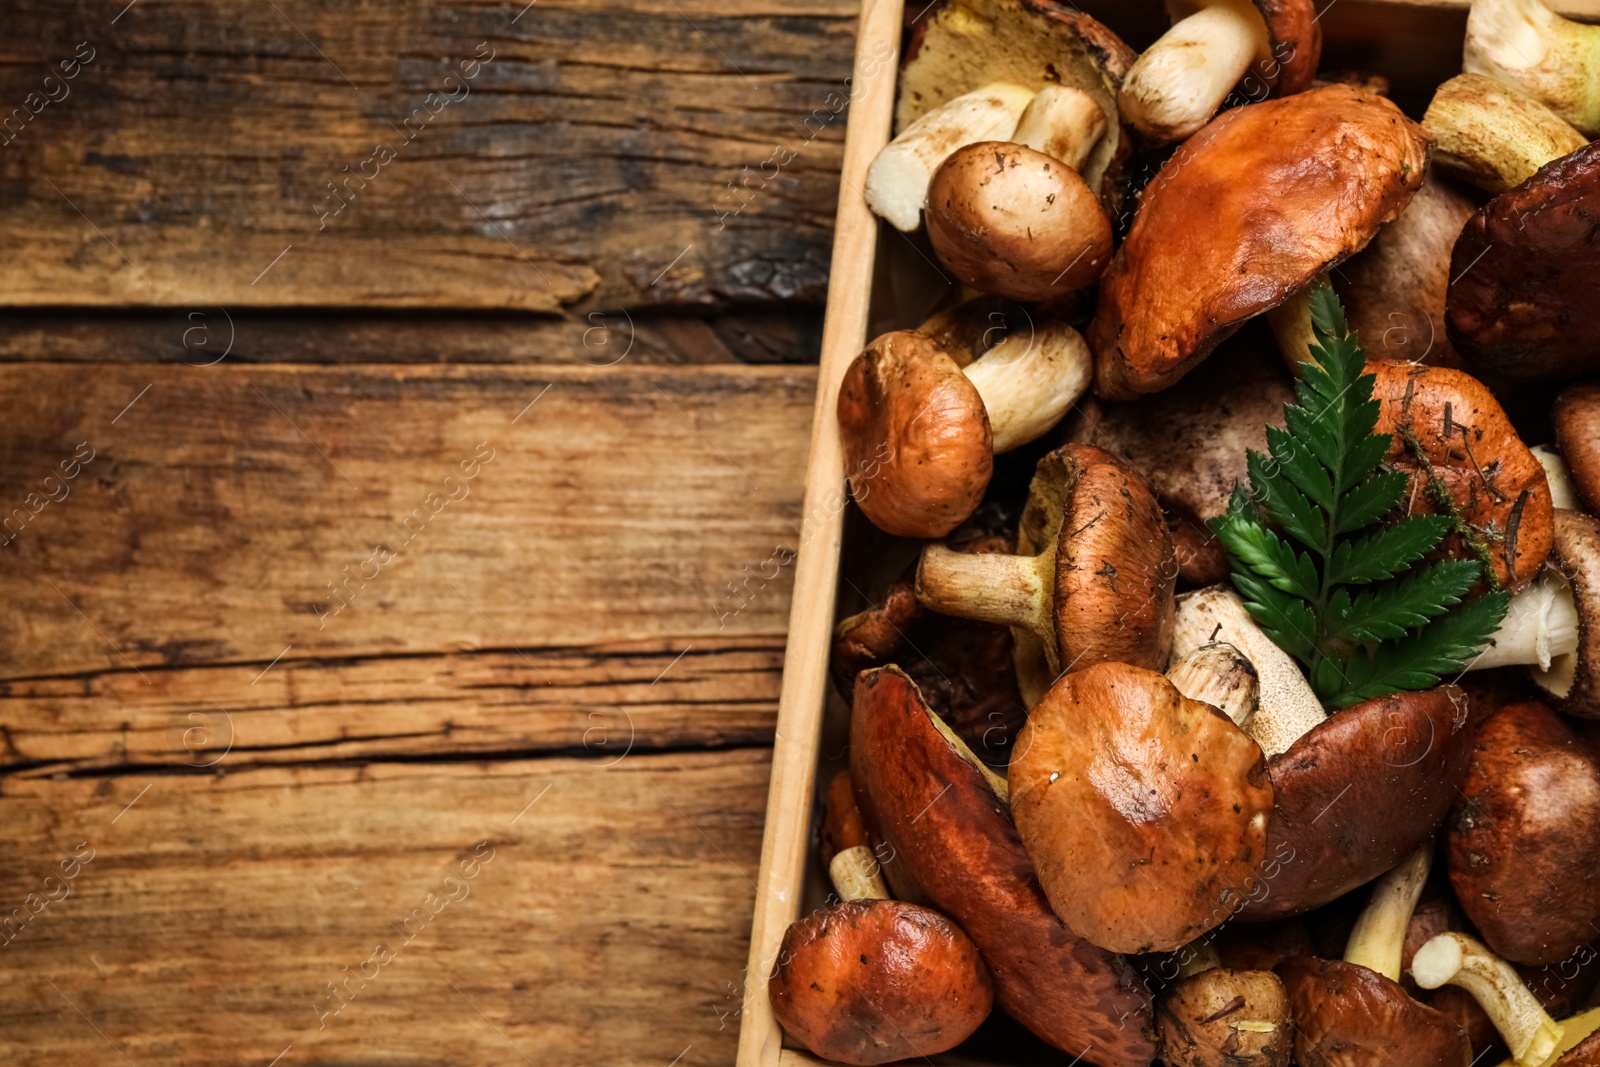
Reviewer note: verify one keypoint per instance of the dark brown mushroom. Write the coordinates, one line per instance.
(1577, 422)
(1522, 837)
(945, 816)
(873, 981)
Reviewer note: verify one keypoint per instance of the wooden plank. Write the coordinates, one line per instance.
(236, 515)
(607, 925)
(593, 148)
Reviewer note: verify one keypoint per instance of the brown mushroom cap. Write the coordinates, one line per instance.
(1577, 420)
(1250, 209)
(1288, 62)
(917, 444)
(1526, 275)
(1349, 1016)
(1446, 422)
(937, 810)
(1011, 221)
(962, 45)
(873, 981)
(1226, 1018)
(1145, 812)
(1585, 1053)
(1573, 682)
(1356, 794)
(1522, 838)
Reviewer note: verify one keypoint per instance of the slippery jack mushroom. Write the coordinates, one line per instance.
(1353, 792)
(1015, 217)
(1553, 59)
(852, 867)
(1184, 77)
(1493, 136)
(920, 430)
(1092, 583)
(1144, 810)
(1354, 1012)
(1522, 836)
(1535, 1039)
(1216, 1016)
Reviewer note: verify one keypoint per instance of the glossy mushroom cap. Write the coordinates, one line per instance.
(1144, 812)
(1226, 1018)
(939, 810)
(1349, 1016)
(1572, 683)
(1526, 273)
(917, 443)
(1522, 837)
(1577, 421)
(1368, 786)
(1251, 209)
(874, 981)
(1008, 220)
(1451, 433)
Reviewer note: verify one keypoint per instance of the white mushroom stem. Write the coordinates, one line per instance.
(989, 587)
(1062, 122)
(1377, 942)
(1286, 707)
(1221, 676)
(1562, 492)
(856, 874)
(1198, 957)
(1540, 627)
(897, 181)
(1181, 80)
(1494, 136)
(1029, 380)
(1455, 959)
(1553, 59)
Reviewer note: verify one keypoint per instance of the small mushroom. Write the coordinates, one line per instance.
(1226, 1018)
(1525, 44)
(1534, 1038)
(897, 181)
(1094, 579)
(1522, 837)
(1354, 1012)
(852, 868)
(1577, 421)
(1181, 80)
(920, 431)
(873, 981)
(1144, 811)
(945, 816)
(1250, 210)
(1494, 136)
(1525, 275)
(1018, 220)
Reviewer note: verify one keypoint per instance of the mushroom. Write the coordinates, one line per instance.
(1144, 811)
(897, 181)
(1522, 837)
(1250, 210)
(1094, 579)
(852, 868)
(873, 981)
(1492, 136)
(1563, 491)
(1181, 80)
(961, 45)
(920, 431)
(1018, 220)
(1535, 1039)
(1525, 275)
(1577, 420)
(1525, 44)
(1354, 1012)
(945, 816)
(1226, 1018)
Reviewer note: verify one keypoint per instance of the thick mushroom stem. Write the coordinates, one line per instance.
(853, 869)
(1221, 676)
(1378, 939)
(1524, 43)
(991, 587)
(1455, 959)
(1540, 627)
(1028, 382)
(1062, 122)
(897, 182)
(1291, 325)
(1181, 80)
(1494, 136)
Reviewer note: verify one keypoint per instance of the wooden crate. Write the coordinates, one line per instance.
(1416, 44)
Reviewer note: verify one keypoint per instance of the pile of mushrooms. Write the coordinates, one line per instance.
(1086, 790)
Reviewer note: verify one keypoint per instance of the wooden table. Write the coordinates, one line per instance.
(404, 409)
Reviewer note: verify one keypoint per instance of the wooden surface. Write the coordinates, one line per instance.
(576, 659)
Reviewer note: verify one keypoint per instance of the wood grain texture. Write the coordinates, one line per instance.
(591, 152)
(216, 908)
